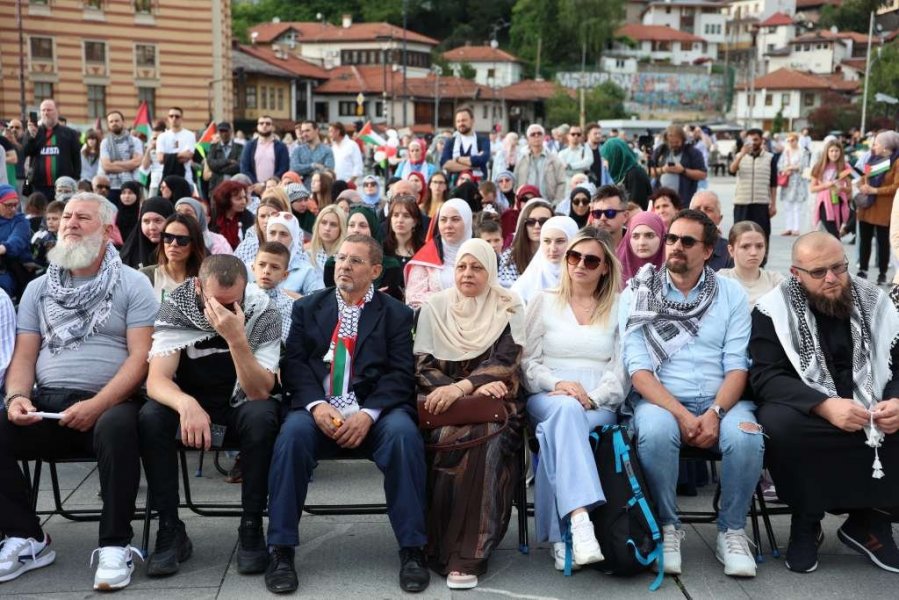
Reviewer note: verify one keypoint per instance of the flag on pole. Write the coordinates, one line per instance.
(142, 120)
(877, 169)
(369, 136)
(206, 139)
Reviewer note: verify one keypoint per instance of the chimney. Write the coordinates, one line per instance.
(346, 20)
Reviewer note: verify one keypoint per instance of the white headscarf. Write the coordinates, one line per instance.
(289, 222)
(454, 327)
(542, 274)
(450, 251)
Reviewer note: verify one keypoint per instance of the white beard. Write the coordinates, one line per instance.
(72, 256)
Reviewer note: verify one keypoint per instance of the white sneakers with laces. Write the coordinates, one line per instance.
(583, 540)
(20, 555)
(671, 539)
(732, 550)
(115, 566)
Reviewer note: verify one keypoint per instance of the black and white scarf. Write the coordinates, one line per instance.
(180, 324)
(70, 314)
(667, 325)
(788, 307)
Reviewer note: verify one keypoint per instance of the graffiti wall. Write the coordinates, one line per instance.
(659, 91)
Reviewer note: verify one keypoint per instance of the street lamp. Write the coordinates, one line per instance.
(405, 59)
(386, 51)
(437, 73)
(868, 63)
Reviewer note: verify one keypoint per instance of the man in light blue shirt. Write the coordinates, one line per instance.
(685, 334)
(310, 155)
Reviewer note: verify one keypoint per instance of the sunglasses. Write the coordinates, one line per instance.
(687, 241)
(370, 184)
(821, 273)
(581, 202)
(533, 222)
(574, 258)
(609, 213)
(575, 133)
(535, 134)
(179, 240)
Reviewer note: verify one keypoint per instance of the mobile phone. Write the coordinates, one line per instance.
(670, 163)
(32, 117)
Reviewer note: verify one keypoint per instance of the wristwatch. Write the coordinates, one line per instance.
(718, 410)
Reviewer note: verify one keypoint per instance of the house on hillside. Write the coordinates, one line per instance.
(493, 67)
(661, 43)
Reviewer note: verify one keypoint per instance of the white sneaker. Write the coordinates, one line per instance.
(583, 540)
(115, 567)
(732, 550)
(20, 555)
(672, 538)
(559, 557)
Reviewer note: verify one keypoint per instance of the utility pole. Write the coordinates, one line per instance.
(405, 60)
(539, 48)
(22, 106)
(583, 84)
(867, 74)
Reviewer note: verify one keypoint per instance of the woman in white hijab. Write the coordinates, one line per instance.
(432, 268)
(469, 340)
(545, 269)
(301, 277)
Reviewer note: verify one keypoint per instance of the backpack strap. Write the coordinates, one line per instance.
(569, 549)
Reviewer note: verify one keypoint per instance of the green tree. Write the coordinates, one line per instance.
(851, 15)
(466, 71)
(883, 77)
(836, 113)
(777, 125)
(605, 101)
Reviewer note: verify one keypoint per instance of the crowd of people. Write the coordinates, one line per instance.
(288, 305)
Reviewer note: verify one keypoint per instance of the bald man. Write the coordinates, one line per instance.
(825, 371)
(706, 201)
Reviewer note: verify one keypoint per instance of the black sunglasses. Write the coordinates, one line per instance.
(609, 213)
(179, 240)
(821, 273)
(687, 241)
(580, 202)
(574, 258)
(531, 222)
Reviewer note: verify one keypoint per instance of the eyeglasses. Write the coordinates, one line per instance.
(370, 184)
(354, 261)
(532, 222)
(580, 202)
(11, 204)
(574, 258)
(687, 241)
(609, 213)
(575, 133)
(821, 273)
(179, 240)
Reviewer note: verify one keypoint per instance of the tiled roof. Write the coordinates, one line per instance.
(449, 87)
(367, 79)
(297, 66)
(251, 64)
(531, 89)
(776, 20)
(788, 79)
(315, 32)
(655, 33)
(478, 54)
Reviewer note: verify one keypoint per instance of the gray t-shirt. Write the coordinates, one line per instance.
(100, 356)
(126, 146)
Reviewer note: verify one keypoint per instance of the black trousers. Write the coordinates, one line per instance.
(866, 231)
(252, 426)
(829, 226)
(757, 213)
(112, 441)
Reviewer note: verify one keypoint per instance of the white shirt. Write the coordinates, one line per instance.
(347, 159)
(170, 142)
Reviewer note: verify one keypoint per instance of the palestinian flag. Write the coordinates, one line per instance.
(142, 121)
(206, 139)
(369, 136)
(878, 168)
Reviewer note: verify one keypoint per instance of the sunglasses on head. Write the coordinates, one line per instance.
(574, 258)
(179, 240)
(532, 222)
(687, 241)
(609, 213)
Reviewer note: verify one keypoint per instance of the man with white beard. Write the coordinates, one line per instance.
(83, 337)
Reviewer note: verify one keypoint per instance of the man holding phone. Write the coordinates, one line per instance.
(755, 197)
(678, 165)
(215, 351)
(54, 149)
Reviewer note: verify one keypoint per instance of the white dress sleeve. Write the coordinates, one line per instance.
(537, 377)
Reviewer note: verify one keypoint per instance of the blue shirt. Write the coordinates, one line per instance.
(302, 158)
(696, 371)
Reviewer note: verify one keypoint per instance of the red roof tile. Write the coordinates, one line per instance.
(776, 20)
(316, 32)
(478, 54)
(449, 87)
(655, 33)
(289, 62)
(787, 79)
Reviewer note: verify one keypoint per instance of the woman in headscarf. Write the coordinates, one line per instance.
(469, 340)
(572, 367)
(516, 258)
(875, 219)
(420, 185)
(140, 247)
(546, 267)
(432, 268)
(415, 161)
(301, 278)
(128, 215)
(364, 222)
(468, 191)
(174, 187)
(371, 192)
(626, 172)
(579, 209)
(644, 242)
(505, 185)
(215, 243)
(179, 255)
(271, 204)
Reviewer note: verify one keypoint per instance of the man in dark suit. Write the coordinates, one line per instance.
(224, 156)
(348, 378)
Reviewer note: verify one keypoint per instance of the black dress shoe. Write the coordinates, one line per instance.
(281, 574)
(252, 553)
(806, 537)
(173, 547)
(414, 574)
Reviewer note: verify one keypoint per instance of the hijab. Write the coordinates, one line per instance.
(581, 220)
(289, 222)
(338, 186)
(423, 191)
(201, 218)
(454, 327)
(179, 186)
(373, 225)
(630, 262)
(542, 274)
(371, 199)
(620, 157)
(127, 217)
(138, 250)
(468, 191)
(450, 251)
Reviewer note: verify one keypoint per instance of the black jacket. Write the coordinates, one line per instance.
(55, 155)
(383, 365)
(222, 165)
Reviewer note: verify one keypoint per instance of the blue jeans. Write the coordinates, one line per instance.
(659, 443)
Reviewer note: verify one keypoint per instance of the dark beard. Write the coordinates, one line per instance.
(836, 308)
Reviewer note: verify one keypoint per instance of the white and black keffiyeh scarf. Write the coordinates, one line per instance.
(667, 325)
(342, 351)
(70, 314)
(788, 307)
(180, 324)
